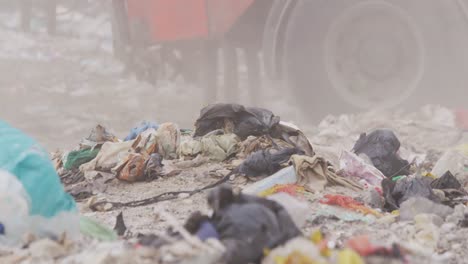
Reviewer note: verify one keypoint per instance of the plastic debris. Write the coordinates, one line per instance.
(120, 226)
(268, 225)
(291, 189)
(355, 167)
(22, 157)
(421, 205)
(264, 162)
(297, 209)
(395, 193)
(382, 146)
(95, 230)
(363, 246)
(214, 147)
(314, 174)
(201, 226)
(298, 250)
(349, 203)
(168, 139)
(110, 155)
(453, 161)
(76, 158)
(282, 177)
(327, 213)
(132, 169)
(348, 256)
(250, 121)
(447, 181)
(98, 136)
(237, 119)
(142, 127)
(153, 167)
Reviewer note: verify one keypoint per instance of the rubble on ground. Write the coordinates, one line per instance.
(358, 190)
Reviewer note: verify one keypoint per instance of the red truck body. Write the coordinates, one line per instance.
(175, 20)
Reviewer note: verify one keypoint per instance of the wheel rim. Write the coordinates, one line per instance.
(374, 55)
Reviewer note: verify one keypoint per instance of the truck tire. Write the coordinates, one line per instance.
(352, 55)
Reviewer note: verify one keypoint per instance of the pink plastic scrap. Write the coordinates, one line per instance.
(355, 167)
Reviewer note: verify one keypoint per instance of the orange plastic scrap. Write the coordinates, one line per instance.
(291, 189)
(361, 244)
(348, 202)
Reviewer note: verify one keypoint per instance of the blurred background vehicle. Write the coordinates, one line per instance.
(358, 54)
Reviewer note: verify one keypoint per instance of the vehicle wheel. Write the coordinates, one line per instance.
(351, 55)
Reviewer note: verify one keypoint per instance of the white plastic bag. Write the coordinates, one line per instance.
(15, 218)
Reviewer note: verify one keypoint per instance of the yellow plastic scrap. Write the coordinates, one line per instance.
(291, 189)
(395, 212)
(295, 257)
(348, 256)
(316, 237)
(430, 175)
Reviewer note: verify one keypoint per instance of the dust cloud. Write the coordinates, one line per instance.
(59, 79)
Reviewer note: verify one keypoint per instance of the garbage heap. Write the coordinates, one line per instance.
(245, 187)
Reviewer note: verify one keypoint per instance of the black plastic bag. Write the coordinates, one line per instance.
(382, 146)
(447, 181)
(246, 121)
(263, 162)
(395, 193)
(249, 224)
(153, 167)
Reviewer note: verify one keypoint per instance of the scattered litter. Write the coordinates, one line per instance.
(349, 203)
(296, 208)
(382, 146)
(284, 176)
(91, 228)
(268, 225)
(421, 205)
(363, 246)
(298, 250)
(314, 174)
(291, 189)
(354, 167)
(168, 140)
(153, 167)
(76, 158)
(237, 119)
(264, 162)
(325, 213)
(371, 194)
(395, 193)
(98, 136)
(142, 127)
(110, 155)
(120, 227)
(447, 181)
(132, 169)
(453, 161)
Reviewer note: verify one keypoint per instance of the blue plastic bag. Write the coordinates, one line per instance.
(134, 132)
(23, 157)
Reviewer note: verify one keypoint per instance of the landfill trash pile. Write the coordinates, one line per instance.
(243, 186)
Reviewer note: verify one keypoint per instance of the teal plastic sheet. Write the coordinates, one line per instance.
(23, 157)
